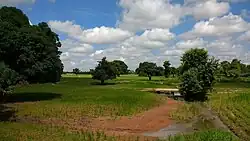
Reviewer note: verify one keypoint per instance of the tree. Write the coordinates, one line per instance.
(147, 68)
(193, 58)
(121, 67)
(225, 67)
(173, 71)
(8, 78)
(198, 75)
(33, 49)
(159, 71)
(76, 71)
(104, 70)
(166, 65)
(235, 69)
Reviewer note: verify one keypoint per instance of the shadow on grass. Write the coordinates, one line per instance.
(98, 83)
(31, 97)
(7, 113)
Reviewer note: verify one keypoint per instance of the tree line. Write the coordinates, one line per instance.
(197, 72)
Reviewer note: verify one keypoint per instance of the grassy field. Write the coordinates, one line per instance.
(77, 97)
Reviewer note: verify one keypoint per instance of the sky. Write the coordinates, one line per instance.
(135, 31)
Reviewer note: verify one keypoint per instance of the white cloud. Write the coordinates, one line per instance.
(159, 34)
(139, 15)
(97, 35)
(82, 48)
(149, 39)
(65, 56)
(245, 36)
(209, 9)
(16, 2)
(217, 27)
(187, 44)
(174, 52)
(66, 27)
(225, 49)
(104, 35)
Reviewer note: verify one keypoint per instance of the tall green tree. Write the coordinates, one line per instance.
(159, 71)
(147, 68)
(225, 67)
(198, 75)
(76, 71)
(166, 65)
(33, 49)
(104, 71)
(173, 71)
(121, 67)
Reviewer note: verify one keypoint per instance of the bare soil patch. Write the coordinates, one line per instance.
(125, 127)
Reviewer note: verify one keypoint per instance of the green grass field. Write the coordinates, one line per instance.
(76, 97)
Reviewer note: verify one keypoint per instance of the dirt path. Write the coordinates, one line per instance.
(151, 120)
(148, 121)
(206, 120)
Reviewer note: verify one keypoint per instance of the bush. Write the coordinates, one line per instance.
(8, 78)
(198, 74)
(191, 87)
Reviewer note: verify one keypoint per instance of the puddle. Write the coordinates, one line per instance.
(203, 122)
(171, 130)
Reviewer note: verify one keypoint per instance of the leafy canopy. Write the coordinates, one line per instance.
(198, 74)
(167, 69)
(33, 49)
(104, 70)
(76, 71)
(147, 68)
(121, 67)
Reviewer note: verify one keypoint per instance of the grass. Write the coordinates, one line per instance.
(230, 101)
(186, 112)
(29, 132)
(233, 108)
(210, 135)
(79, 96)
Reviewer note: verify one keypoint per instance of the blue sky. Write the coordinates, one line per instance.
(143, 30)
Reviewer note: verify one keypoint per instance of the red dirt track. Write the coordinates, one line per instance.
(151, 120)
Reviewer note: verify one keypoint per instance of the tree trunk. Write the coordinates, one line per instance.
(102, 82)
(149, 78)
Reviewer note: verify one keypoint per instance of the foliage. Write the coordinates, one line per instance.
(234, 69)
(8, 78)
(76, 71)
(193, 58)
(121, 67)
(167, 70)
(159, 71)
(104, 70)
(147, 68)
(33, 49)
(173, 71)
(198, 79)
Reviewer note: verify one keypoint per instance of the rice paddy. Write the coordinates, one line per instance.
(57, 111)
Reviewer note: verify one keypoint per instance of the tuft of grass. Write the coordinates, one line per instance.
(30, 132)
(210, 135)
(186, 112)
